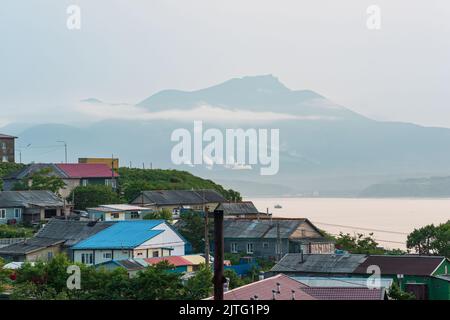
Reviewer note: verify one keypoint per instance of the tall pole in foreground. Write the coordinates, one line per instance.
(206, 230)
(65, 149)
(219, 279)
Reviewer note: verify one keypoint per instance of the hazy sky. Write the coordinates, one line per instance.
(127, 50)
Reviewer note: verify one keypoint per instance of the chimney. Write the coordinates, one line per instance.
(226, 285)
(256, 297)
(293, 294)
(274, 294)
(278, 288)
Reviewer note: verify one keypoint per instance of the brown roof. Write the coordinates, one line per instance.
(5, 136)
(406, 264)
(347, 293)
(263, 290)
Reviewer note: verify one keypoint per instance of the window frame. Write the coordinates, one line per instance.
(2, 214)
(250, 244)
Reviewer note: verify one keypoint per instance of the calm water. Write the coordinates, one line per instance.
(389, 219)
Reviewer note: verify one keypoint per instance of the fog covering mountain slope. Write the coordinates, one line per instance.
(325, 149)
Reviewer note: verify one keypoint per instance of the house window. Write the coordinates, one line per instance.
(249, 248)
(2, 213)
(155, 254)
(5, 159)
(265, 245)
(234, 247)
(17, 213)
(49, 255)
(87, 258)
(3, 146)
(115, 215)
(84, 182)
(107, 255)
(134, 215)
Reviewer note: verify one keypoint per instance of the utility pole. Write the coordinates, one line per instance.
(206, 230)
(278, 242)
(219, 279)
(65, 149)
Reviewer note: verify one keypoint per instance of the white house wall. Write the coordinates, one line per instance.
(166, 239)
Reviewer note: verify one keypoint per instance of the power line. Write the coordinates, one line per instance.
(361, 228)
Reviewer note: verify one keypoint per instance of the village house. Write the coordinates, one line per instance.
(243, 209)
(282, 287)
(174, 200)
(31, 206)
(273, 238)
(181, 264)
(72, 174)
(117, 212)
(56, 236)
(130, 239)
(7, 148)
(424, 276)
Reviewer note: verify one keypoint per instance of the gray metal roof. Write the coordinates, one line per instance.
(33, 168)
(179, 197)
(260, 228)
(238, 208)
(66, 232)
(26, 199)
(319, 263)
(71, 231)
(28, 246)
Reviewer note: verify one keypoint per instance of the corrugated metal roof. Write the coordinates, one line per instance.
(29, 246)
(319, 263)
(87, 170)
(5, 136)
(340, 282)
(122, 235)
(179, 197)
(195, 259)
(118, 208)
(33, 168)
(263, 290)
(177, 261)
(72, 231)
(29, 198)
(259, 228)
(238, 208)
(405, 264)
(331, 293)
(66, 232)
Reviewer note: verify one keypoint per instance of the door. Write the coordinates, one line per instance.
(420, 290)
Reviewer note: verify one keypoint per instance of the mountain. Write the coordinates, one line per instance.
(433, 187)
(325, 149)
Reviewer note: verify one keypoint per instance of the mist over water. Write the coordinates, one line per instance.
(389, 219)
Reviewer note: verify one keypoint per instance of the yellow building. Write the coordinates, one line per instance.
(112, 163)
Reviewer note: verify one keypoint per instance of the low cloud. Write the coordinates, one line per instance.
(207, 113)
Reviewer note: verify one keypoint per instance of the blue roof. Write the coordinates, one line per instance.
(122, 235)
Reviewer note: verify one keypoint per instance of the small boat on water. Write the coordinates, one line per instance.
(278, 206)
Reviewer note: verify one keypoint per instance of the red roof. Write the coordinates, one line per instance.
(347, 293)
(263, 289)
(174, 260)
(86, 170)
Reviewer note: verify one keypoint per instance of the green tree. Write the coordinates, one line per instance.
(93, 196)
(200, 286)
(431, 240)
(7, 168)
(358, 243)
(396, 293)
(163, 214)
(157, 283)
(44, 179)
(192, 227)
(235, 280)
(4, 276)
